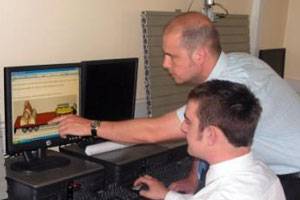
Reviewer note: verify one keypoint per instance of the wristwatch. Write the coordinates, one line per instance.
(94, 125)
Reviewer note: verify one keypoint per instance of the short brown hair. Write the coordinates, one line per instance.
(230, 106)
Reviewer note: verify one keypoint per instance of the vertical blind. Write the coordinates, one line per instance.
(162, 93)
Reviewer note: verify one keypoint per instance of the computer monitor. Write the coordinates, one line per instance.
(275, 58)
(109, 89)
(34, 95)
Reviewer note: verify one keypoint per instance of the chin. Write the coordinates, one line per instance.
(179, 81)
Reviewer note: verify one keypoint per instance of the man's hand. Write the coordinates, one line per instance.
(156, 189)
(72, 125)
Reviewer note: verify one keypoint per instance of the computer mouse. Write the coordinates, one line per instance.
(141, 186)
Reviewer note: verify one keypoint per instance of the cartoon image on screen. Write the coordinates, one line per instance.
(32, 123)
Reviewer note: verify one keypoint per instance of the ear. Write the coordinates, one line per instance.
(199, 55)
(212, 135)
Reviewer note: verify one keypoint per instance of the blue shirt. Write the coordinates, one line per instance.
(277, 136)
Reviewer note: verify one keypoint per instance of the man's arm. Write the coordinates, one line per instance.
(144, 130)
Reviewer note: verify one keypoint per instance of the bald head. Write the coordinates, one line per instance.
(196, 30)
(187, 20)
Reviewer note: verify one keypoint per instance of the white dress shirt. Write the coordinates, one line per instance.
(277, 136)
(241, 178)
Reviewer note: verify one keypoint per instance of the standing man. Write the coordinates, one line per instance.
(193, 54)
(219, 124)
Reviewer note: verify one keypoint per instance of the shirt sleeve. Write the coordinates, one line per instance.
(171, 195)
(180, 113)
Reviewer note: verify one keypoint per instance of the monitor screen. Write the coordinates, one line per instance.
(35, 95)
(109, 89)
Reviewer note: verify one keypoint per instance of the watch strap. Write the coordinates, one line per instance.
(94, 126)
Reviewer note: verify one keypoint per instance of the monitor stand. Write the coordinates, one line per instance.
(37, 160)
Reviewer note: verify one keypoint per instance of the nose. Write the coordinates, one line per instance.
(166, 62)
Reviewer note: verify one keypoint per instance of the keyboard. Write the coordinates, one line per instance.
(115, 191)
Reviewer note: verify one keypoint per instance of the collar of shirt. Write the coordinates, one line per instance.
(228, 167)
(218, 68)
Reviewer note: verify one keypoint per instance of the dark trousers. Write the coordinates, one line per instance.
(291, 185)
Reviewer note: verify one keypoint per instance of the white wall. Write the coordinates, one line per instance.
(292, 41)
(273, 23)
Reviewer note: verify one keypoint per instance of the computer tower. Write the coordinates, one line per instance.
(123, 166)
(167, 162)
(81, 179)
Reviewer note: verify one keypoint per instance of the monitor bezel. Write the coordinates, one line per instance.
(12, 149)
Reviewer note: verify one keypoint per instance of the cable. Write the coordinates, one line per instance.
(190, 5)
(211, 6)
(223, 8)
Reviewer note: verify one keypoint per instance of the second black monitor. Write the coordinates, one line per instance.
(275, 58)
(109, 89)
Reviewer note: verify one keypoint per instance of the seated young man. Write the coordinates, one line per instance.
(219, 125)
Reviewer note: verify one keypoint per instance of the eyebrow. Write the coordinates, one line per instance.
(168, 54)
